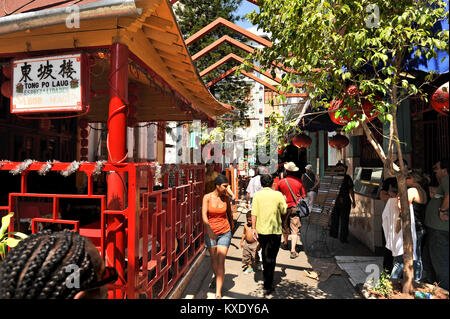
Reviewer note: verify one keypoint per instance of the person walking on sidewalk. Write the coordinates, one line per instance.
(341, 213)
(311, 183)
(254, 185)
(218, 220)
(249, 246)
(268, 207)
(291, 221)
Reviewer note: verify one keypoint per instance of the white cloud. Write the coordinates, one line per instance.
(254, 29)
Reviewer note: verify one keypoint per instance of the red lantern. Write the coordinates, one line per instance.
(439, 99)
(83, 123)
(7, 71)
(301, 140)
(7, 89)
(367, 108)
(84, 133)
(338, 141)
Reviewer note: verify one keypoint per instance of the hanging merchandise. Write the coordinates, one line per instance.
(439, 99)
(301, 140)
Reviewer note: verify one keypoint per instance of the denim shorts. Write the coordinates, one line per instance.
(221, 240)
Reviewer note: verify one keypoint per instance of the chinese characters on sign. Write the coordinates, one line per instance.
(48, 84)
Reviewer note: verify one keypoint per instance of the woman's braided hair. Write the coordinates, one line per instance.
(37, 268)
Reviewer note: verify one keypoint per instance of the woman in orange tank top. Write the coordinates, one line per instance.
(218, 220)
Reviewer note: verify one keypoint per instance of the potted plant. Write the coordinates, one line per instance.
(8, 239)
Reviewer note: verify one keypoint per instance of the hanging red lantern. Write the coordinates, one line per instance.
(338, 141)
(7, 71)
(83, 123)
(339, 120)
(301, 140)
(84, 133)
(439, 99)
(7, 89)
(366, 106)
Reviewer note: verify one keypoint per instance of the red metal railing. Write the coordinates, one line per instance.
(163, 227)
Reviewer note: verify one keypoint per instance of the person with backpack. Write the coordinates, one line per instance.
(292, 189)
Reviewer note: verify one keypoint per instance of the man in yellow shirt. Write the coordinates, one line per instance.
(267, 208)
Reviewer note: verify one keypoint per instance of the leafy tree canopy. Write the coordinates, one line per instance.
(334, 44)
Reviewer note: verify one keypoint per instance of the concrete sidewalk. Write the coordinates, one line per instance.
(294, 278)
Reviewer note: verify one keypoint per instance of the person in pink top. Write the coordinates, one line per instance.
(291, 221)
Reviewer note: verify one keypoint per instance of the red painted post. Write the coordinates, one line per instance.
(117, 138)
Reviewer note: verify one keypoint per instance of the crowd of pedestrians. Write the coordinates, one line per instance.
(272, 218)
(428, 208)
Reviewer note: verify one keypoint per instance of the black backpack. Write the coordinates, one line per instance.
(301, 208)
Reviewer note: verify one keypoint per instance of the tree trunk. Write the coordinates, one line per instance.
(408, 273)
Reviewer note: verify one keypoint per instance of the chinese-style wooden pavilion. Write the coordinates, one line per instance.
(139, 70)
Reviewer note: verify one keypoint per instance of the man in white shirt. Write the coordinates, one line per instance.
(254, 185)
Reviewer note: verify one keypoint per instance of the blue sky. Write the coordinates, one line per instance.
(246, 7)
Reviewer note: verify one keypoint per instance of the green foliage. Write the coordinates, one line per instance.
(5, 239)
(364, 43)
(284, 129)
(192, 16)
(384, 285)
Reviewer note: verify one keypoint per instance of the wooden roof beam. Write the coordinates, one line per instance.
(218, 42)
(233, 56)
(223, 22)
(251, 76)
(161, 36)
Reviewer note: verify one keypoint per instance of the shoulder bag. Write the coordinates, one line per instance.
(301, 208)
